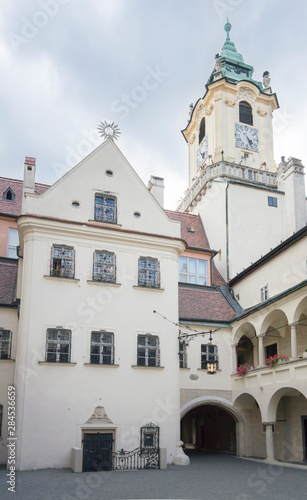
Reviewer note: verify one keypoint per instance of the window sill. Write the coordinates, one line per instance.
(186, 369)
(148, 367)
(74, 280)
(104, 224)
(100, 365)
(56, 363)
(97, 282)
(205, 370)
(148, 288)
(7, 360)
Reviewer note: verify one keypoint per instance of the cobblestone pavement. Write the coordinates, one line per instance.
(209, 476)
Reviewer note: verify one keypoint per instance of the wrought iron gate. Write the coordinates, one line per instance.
(98, 454)
(97, 451)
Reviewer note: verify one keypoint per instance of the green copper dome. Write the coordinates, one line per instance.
(230, 64)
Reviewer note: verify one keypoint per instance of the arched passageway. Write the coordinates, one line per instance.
(209, 427)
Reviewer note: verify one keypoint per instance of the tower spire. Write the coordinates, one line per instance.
(227, 28)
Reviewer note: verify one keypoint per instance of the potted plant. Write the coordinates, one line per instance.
(271, 361)
(244, 368)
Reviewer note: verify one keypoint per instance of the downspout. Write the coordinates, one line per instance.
(227, 235)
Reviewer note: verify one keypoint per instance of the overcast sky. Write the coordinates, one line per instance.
(66, 65)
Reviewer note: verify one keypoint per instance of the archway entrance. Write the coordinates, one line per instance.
(209, 428)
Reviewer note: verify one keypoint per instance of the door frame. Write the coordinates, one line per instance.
(96, 430)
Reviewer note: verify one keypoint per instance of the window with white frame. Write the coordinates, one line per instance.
(62, 262)
(192, 271)
(182, 354)
(104, 268)
(149, 272)
(58, 345)
(209, 355)
(102, 348)
(105, 208)
(264, 293)
(12, 243)
(5, 343)
(148, 352)
(1, 416)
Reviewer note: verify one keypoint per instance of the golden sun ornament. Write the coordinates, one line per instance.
(108, 130)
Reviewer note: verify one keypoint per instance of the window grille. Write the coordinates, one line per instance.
(105, 208)
(62, 261)
(148, 353)
(5, 344)
(58, 345)
(192, 271)
(209, 355)
(264, 293)
(104, 267)
(102, 348)
(149, 272)
(182, 354)
(245, 113)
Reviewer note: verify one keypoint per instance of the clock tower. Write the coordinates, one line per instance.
(246, 203)
(233, 121)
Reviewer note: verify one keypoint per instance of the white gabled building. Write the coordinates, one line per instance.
(99, 255)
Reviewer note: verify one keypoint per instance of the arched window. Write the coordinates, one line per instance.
(8, 195)
(202, 130)
(245, 113)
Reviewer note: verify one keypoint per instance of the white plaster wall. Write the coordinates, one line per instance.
(284, 271)
(8, 321)
(55, 401)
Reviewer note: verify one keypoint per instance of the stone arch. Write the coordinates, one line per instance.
(211, 423)
(276, 397)
(245, 340)
(277, 335)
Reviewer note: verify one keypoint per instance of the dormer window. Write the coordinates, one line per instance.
(245, 113)
(202, 130)
(8, 195)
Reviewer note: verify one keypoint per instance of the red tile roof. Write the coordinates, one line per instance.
(192, 229)
(8, 279)
(13, 207)
(203, 305)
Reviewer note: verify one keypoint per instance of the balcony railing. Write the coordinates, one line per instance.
(229, 170)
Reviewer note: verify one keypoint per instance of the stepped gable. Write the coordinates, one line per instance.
(13, 207)
(8, 273)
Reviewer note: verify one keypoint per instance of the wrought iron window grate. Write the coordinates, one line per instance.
(102, 348)
(58, 345)
(5, 344)
(62, 261)
(149, 272)
(104, 266)
(105, 208)
(148, 352)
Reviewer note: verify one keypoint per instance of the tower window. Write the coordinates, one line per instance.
(245, 113)
(202, 130)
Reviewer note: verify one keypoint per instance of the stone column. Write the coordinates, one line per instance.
(269, 440)
(234, 357)
(260, 350)
(293, 341)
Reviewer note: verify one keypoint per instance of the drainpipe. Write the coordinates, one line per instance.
(227, 234)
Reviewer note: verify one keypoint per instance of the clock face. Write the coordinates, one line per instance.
(246, 137)
(202, 152)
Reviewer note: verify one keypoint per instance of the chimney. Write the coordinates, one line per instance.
(28, 178)
(156, 187)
